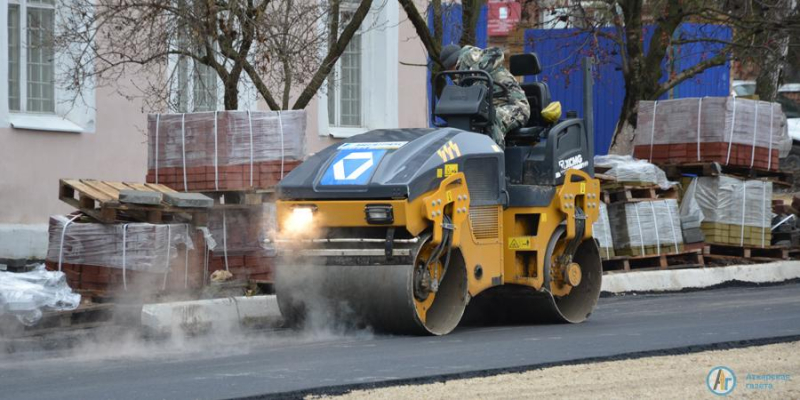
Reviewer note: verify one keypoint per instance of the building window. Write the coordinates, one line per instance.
(196, 89)
(344, 85)
(362, 90)
(31, 71)
(205, 88)
(195, 86)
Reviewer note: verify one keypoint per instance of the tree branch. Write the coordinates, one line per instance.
(333, 55)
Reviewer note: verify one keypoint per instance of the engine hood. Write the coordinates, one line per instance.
(385, 164)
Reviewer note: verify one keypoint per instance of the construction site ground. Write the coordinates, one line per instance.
(663, 377)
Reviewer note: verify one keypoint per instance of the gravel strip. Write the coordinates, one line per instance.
(665, 377)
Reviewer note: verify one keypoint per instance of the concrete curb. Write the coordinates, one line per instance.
(679, 279)
(203, 315)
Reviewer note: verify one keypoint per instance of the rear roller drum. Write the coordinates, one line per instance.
(573, 287)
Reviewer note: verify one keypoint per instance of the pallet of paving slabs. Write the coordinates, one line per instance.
(101, 200)
(736, 235)
(649, 250)
(729, 130)
(265, 175)
(685, 259)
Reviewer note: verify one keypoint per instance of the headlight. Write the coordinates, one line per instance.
(300, 221)
(381, 214)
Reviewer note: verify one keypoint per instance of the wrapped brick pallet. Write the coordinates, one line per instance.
(601, 231)
(239, 234)
(736, 212)
(646, 227)
(224, 150)
(138, 256)
(728, 130)
(243, 228)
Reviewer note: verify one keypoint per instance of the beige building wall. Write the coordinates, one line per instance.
(32, 162)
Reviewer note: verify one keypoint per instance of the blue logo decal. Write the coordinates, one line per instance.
(352, 167)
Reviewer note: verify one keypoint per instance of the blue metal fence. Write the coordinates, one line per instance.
(560, 51)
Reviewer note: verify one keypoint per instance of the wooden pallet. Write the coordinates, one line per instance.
(685, 259)
(618, 193)
(234, 198)
(676, 171)
(100, 200)
(747, 252)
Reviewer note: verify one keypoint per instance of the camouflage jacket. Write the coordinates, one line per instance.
(491, 60)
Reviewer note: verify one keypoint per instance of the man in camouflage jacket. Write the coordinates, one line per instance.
(511, 109)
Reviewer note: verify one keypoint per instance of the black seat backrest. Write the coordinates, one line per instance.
(538, 93)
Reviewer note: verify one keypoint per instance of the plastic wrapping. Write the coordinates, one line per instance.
(242, 229)
(646, 227)
(601, 230)
(712, 119)
(133, 246)
(224, 138)
(691, 213)
(26, 295)
(730, 200)
(735, 211)
(629, 169)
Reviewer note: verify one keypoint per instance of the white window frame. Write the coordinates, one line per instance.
(191, 80)
(69, 116)
(337, 86)
(247, 90)
(549, 16)
(379, 75)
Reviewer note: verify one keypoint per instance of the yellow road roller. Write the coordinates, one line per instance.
(401, 229)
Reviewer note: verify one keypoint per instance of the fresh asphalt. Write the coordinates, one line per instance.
(292, 363)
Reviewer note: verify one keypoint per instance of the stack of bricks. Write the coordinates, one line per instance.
(103, 279)
(240, 233)
(646, 227)
(241, 228)
(736, 211)
(736, 235)
(730, 131)
(229, 151)
(154, 258)
(226, 150)
(601, 230)
(252, 265)
(265, 174)
(741, 155)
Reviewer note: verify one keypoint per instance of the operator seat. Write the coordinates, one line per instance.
(538, 95)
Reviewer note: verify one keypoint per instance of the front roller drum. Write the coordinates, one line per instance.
(390, 298)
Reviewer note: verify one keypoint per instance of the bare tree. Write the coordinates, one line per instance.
(432, 37)
(277, 45)
(647, 63)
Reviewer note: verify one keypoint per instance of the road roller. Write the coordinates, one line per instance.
(400, 230)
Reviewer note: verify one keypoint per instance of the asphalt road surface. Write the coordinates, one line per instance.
(286, 361)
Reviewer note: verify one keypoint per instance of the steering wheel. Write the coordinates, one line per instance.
(472, 79)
